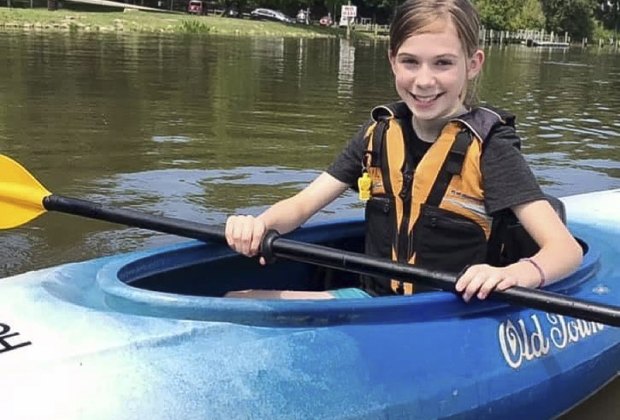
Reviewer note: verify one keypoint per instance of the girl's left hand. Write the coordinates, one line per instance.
(482, 279)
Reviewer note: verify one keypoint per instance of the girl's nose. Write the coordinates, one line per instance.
(424, 76)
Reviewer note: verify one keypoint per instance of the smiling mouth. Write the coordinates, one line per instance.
(426, 98)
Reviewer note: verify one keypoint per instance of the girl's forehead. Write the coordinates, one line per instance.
(438, 26)
(440, 33)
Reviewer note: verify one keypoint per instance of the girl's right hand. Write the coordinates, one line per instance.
(244, 234)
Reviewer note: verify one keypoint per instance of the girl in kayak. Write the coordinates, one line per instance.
(439, 174)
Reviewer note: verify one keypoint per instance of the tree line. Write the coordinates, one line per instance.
(580, 18)
(591, 19)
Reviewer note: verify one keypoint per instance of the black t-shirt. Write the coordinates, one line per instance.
(507, 179)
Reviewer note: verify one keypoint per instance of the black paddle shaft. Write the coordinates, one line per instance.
(275, 246)
(521, 296)
(134, 218)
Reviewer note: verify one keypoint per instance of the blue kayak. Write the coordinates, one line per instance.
(147, 335)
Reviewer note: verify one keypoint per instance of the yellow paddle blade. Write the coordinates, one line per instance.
(21, 195)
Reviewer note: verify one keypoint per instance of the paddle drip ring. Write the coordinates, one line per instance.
(266, 246)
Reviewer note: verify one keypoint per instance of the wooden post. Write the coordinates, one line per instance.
(349, 23)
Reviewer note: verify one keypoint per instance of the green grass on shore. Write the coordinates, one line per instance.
(139, 21)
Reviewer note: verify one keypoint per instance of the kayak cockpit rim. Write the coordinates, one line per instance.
(187, 280)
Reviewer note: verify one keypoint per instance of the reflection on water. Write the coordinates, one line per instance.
(346, 69)
(565, 102)
(198, 127)
(197, 194)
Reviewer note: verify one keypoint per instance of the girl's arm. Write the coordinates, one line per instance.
(244, 233)
(560, 254)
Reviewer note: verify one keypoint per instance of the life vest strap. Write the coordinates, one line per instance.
(372, 155)
(451, 166)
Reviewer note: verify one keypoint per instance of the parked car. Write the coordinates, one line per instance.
(273, 15)
(326, 21)
(195, 7)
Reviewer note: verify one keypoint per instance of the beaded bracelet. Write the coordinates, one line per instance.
(540, 271)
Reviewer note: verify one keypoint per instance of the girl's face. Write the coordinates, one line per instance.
(431, 72)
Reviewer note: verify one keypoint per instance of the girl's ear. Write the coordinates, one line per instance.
(392, 59)
(475, 64)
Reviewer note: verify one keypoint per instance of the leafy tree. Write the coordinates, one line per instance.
(511, 14)
(608, 13)
(572, 16)
(530, 16)
(494, 14)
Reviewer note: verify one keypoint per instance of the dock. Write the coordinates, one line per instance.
(546, 44)
(529, 37)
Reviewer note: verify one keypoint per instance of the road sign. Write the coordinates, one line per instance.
(348, 11)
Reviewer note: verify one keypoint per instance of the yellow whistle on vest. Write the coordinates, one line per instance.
(363, 184)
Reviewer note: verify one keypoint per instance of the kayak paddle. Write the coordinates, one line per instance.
(23, 198)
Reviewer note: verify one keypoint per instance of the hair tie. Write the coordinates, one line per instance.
(538, 268)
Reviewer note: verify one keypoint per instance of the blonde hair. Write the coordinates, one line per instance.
(415, 17)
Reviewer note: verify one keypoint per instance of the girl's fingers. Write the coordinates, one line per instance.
(228, 231)
(487, 287)
(464, 280)
(480, 281)
(507, 284)
(471, 282)
(232, 230)
(247, 229)
(495, 278)
(500, 284)
(472, 288)
(244, 233)
(257, 236)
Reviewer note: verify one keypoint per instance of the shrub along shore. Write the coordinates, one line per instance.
(149, 22)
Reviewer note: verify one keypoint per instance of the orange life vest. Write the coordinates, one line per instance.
(432, 214)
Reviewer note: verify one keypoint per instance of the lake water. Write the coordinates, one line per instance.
(200, 127)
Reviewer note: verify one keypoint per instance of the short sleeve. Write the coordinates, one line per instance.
(347, 167)
(506, 177)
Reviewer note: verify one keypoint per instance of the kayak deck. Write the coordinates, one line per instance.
(147, 335)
